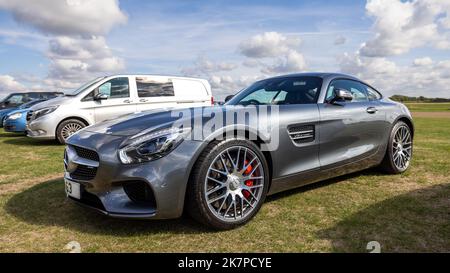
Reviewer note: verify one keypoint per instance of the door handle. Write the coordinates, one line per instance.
(371, 110)
(127, 101)
(143, 100)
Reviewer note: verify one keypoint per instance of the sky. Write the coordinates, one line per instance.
(398, 46)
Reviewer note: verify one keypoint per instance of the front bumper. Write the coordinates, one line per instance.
(106, 192)
(14, 126)
(43, 127)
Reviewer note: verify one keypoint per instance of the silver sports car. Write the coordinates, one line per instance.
(219, 163)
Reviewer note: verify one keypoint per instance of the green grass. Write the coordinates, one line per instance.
(428, 107)
(408, 212)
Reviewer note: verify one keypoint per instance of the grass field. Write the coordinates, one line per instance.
(407, 213)
(428, 107)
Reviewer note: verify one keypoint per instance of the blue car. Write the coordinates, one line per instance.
(16, 120)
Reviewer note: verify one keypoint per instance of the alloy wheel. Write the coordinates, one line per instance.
(234, 183)
(70, 129)
(402, 148)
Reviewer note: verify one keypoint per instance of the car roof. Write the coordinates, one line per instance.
(317, 74)
(154, 75)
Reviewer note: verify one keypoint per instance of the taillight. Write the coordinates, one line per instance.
(212, 100)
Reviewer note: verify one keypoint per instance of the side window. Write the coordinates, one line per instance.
(34, 96)
(149, 87)
(357, 89)
(372, 93)
(115, 88)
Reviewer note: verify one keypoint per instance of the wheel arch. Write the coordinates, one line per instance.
(67, 118)
(222, 136)
(408, 121)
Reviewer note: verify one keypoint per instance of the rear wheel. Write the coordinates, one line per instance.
(399, 151)
(228, 185)
(67, 128)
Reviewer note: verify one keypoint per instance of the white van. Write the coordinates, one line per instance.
(113, 96)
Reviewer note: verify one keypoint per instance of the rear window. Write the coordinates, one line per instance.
(189, 89)
(151, 87)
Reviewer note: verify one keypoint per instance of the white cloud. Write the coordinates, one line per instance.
(9, 84)
(67, 17)
(292, 62)
(205, 66)
(75, 30)
(423, 77)
(268, 44)
(423, 61)
(79, 59)
(403, 25)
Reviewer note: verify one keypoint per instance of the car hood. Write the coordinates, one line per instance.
(129, 125)
(4, 112)
(51, 102)
(18, 111)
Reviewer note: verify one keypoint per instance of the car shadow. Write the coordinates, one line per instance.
(417, 221)
(4, 134)
(22, 140)
(46, 204)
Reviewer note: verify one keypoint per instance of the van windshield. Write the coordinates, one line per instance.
(83, 87)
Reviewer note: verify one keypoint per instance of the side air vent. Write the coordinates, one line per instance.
(302, 133)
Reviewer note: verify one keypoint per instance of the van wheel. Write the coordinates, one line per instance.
(67, 128)
(228, 185)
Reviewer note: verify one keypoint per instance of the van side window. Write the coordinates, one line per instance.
(149, 87)
(115, 88)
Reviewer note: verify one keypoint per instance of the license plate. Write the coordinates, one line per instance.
(73, 189)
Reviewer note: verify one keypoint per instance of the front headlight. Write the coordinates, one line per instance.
(44, 111)
(15, 116)
(152, 146)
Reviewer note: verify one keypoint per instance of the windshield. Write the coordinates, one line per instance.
(83, 87)
(29, 104)
(14, 99)
(279, 91)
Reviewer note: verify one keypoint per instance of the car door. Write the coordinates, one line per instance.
(349, 130)
(120, 99)
(298, 117)
(154, 92)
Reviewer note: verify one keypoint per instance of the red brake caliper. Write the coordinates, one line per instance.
(248, 182)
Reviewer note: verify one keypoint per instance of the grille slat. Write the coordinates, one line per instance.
(83, 172)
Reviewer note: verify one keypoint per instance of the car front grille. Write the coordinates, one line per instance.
(86, 153)
(29, 115)
(82, 172)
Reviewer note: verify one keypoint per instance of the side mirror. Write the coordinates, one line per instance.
(229, 97)
(341, 95)
(100, 96)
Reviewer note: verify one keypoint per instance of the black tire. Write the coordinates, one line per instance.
(196, 204)
(388, 165)
(59, 131)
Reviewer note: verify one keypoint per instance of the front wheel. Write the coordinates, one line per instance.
(67, 128)
(228, 185)
(399, 151)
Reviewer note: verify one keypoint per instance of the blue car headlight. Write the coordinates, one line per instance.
(151, 146)
(14, 116)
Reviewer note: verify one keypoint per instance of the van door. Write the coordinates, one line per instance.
(154, 92)
(120, 101)
(192, 92)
